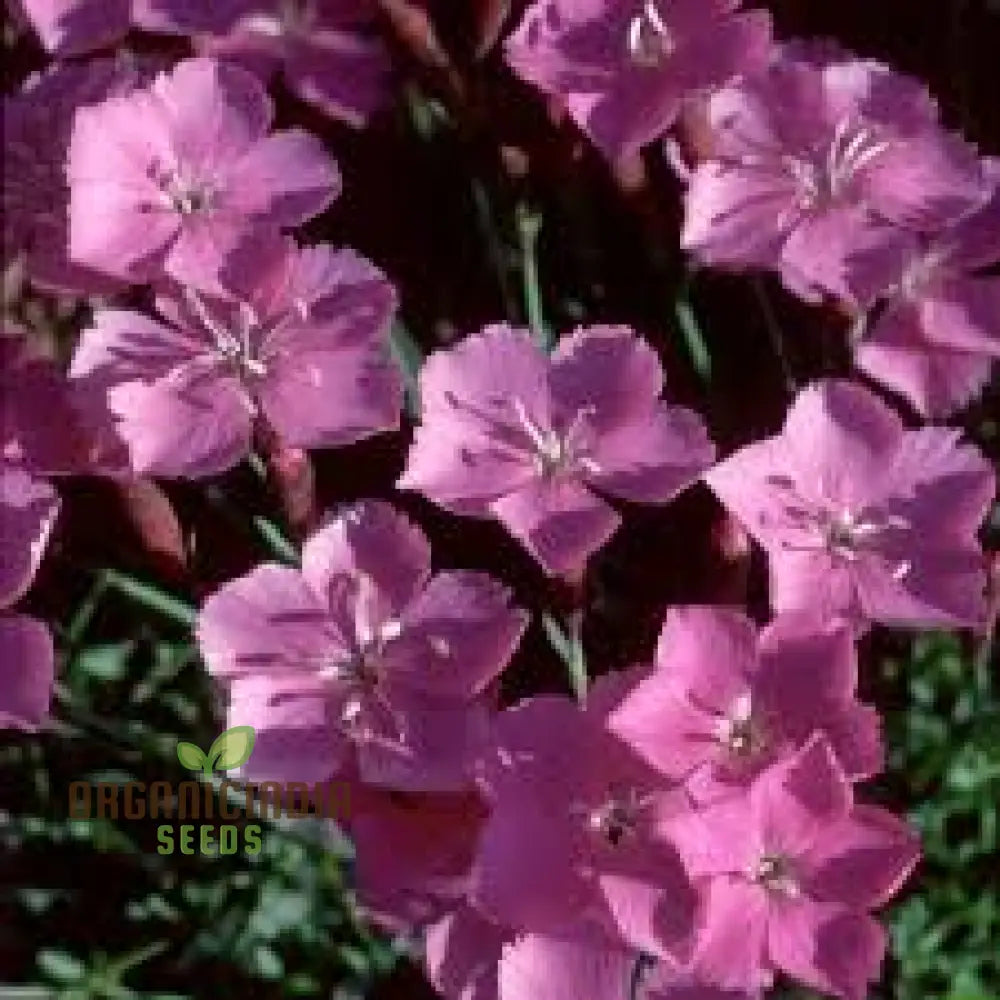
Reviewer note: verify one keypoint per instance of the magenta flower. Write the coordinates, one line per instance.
(813, 160)
(789, 874)
(173, 176)
(27, 671)
(723, 702)
(28, 510)
(412, 853)
(364, 648)
(69, 27)
(587, 806)
(326, 50)
(588, 966)
(938, 332)
(36, 128)
(625, 68)
(511, 434)
(860, 517)
(298, 339)
(461, 954)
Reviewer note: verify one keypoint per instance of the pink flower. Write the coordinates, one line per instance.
(27, 671)
(36, 129)
(511, 434)
(625, 67)
(462, 951)
(412, 853)
(68, 27)
(588, 966)
(28, 510)
(815, 159)
(860, 517)
(172, 176)
(296, 337)
(52, 426)
(723, 701)
(363, 648)
(789, 874)
(587, 806)
(938, 332)
(326, 50)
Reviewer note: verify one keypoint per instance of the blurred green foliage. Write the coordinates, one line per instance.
(98, 913)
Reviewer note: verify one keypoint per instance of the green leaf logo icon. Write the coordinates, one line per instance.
(230, 749)
(190, 756)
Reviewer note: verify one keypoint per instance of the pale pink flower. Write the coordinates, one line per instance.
(789, 874)
(364, 649)
(296, 338)
(724, 700)
(814, 160)
(625, 68)
(172, 176)
(860, 517)
(533, 441)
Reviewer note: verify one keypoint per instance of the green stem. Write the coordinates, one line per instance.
(150, 597)
(529, 226)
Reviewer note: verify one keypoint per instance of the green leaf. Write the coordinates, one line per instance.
(190, 756)
(61, 966)
(232, 748)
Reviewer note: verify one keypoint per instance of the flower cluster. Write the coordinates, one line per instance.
(686, 829)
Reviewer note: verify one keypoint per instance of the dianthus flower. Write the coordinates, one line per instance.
(862, 518)
(36, 128)
(569, 837)
(326, 51)
(295, 336)
(531, 441)
(790, 873)
(935, 328)
(69, 27)
(723, 701)
(814, 160)
(172, 176)
(624, 68)
(363, 648)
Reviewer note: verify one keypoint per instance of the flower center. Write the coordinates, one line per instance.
(841, 531)
(825, 177)
(650, 42)
(556, 453)
(742, 731)
(181, 192)
(236, 345)
(776, 873)
(616, 819)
